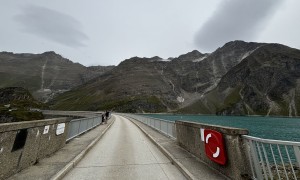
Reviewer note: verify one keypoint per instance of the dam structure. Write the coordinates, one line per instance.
(79, 145)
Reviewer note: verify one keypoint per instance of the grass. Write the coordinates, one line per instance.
(25, 115)
(195, 108)
(231, 99)
(78, 101)
(148, 104)
(19, 109)
(21, 114)
(32, 83)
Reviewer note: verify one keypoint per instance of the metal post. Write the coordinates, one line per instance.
(255, 160)
(288, 155)
(297, 154)
(79, 127)
(267, 161)
(168, 128)
(160, 125)
(262, 160)
(275, 161)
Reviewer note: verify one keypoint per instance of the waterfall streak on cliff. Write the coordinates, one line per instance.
(43, 72)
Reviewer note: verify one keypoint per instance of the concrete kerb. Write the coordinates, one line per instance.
(59, 175)
(182, 169)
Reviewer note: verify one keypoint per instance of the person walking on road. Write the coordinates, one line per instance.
(107, 115)
(103, 119)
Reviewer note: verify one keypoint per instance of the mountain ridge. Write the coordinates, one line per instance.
(265, 83)
(231, 80)
(174, 84)
(44, 75)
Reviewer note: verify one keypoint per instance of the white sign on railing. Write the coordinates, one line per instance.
(60, 128)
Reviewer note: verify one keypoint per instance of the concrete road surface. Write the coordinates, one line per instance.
(124, 152)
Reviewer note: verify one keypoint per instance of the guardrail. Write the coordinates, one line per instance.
(164, 126)
(273, 159)
(71, 113)
(79, 126)
(269, 159)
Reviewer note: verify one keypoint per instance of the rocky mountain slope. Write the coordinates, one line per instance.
(44, 74)
(17, 104)
(238, 78)
(134, 84)
(157, 85)
(265, 83)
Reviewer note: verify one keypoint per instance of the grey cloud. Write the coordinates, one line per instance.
(235, 20)
(51, 25)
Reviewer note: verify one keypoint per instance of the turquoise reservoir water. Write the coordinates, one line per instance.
(264, 127)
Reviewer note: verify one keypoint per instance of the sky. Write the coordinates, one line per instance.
(106, 32)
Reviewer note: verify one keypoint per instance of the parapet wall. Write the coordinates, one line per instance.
(22, 144)
(237, 165)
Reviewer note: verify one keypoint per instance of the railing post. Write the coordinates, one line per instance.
(93, 124)
(160, 125)
(78, 131)
(297, 154)
(255, 160)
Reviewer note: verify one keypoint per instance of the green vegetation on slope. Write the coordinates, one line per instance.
(17, 115)
(134, 105)
(80, 100)
(195, 108)
(17, 104)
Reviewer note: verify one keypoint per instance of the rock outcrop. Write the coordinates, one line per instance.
(267, 82)
(17, 104)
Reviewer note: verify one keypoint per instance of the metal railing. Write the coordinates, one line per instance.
(269, 159)
(79, 126)
(71, 113)
(273, 159)
(163, 126)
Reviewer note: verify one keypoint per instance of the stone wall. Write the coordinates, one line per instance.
(22, 144)
(237, 165)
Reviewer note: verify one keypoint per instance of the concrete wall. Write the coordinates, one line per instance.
(237, 165)
(37, 144)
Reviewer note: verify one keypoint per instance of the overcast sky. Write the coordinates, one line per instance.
(105, 32)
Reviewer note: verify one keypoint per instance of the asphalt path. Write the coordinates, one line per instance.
(125, 152)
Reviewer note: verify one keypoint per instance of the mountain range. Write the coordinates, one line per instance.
(239, 78)
(44, 75)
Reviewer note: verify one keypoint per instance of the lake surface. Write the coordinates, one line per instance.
(264, 127)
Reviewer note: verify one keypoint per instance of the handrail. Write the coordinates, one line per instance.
(84, 118)
(154, 118)
(272, 141)
(80, 126)
(164, 126)
(268, 158)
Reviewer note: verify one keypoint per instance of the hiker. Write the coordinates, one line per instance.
(103, 119)
(107, 115)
